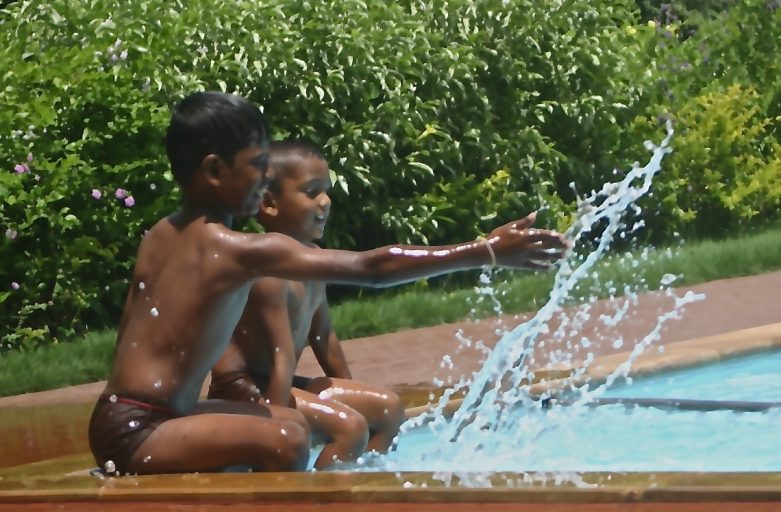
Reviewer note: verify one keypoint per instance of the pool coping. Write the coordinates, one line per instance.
(401, 487)
(40, 482)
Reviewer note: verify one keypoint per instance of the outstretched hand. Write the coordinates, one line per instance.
(517, 244)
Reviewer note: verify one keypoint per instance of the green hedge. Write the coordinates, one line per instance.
(440, 118)
(719, 80)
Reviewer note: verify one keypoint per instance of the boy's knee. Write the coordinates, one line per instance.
(294, 454)
(394, 408)
(355, 427)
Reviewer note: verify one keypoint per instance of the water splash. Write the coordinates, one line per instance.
(495, 422)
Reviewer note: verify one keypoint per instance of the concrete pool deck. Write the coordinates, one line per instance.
(738, 316)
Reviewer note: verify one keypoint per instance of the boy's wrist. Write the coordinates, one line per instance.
(490, 249)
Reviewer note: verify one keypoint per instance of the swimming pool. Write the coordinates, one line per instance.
(754, 378)
(615, 437)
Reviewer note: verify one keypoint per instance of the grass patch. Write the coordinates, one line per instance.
(84, 360)
(88, 359)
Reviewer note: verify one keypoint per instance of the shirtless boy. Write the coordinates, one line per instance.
(282, 317)
(190, 285)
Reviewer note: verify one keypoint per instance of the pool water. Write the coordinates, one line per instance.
(754, 378)
(620, 438)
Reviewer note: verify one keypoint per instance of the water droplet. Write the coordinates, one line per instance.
(147, 458)
(141, 285)
(109, 466)
(385, 412)
(276, 349)
(113, 400)
(343, 415)
(154, 312)
(283, 431)
(133, 424)
(158, 383)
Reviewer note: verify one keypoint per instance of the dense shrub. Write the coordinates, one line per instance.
(720, 83)
(440, 118)
(725, 170)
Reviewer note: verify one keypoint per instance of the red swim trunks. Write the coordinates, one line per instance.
(119, 425)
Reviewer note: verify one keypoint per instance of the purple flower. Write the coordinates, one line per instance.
(29, 157)
(21, 168)
(10, 233)
(129, 201)
(15, 285)
(120, 193)
(96, 193)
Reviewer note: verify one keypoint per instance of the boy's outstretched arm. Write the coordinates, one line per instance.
(515, 245)
(326, 346)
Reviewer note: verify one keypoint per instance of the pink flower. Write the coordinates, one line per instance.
(10, 233)
(15, 285)
(129, 201)
(96, 193)
(120, 193)
(21, 168)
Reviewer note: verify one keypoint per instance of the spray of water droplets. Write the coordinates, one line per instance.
(495, 427)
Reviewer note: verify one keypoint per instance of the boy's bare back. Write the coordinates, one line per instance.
(186, 296)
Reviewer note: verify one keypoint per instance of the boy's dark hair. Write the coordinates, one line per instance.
(211, 122)
(283, 154)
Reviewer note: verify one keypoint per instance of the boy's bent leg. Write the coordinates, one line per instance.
(212, 441)
(381, 407)
(260, 408)
(343, 430)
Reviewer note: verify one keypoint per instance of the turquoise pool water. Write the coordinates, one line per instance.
(755, 378)
(620, 438)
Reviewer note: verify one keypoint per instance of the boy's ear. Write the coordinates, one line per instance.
(269, 204)
(211, 166)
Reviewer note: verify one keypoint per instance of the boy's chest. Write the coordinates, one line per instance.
(303, 299)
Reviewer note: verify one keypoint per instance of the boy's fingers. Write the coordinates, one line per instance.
(551, 255)
(549, 238)
(535, 265)
(525, 222)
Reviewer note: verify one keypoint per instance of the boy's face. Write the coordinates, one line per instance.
(300, 206)
(243, 184)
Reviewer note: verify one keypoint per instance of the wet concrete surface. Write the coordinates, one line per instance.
(35, 433)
